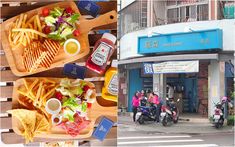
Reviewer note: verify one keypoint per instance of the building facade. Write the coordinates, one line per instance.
(170, 33)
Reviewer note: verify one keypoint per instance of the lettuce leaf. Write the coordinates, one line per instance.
(55, 36)
(56, 12)
(77, 90)
(73, 18)
(69, 115)
(65, 83)
(71, 102)
(84, 107)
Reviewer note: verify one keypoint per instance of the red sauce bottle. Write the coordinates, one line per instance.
(101, 54)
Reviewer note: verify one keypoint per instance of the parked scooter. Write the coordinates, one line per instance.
(170, 112)
(218, 116)
(146, 113)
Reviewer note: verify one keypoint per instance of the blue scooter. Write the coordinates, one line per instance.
(146, 113)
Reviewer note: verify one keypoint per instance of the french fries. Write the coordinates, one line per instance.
(29, 31)
(38, 92)
(24, 30)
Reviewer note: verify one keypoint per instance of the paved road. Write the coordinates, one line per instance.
(193, 126)
(141, 138)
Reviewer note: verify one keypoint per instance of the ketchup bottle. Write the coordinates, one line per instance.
(101, 54)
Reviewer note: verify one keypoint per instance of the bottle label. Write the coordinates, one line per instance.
(113, 85)
(100, 55)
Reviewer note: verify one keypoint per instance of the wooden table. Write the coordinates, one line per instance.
(12, 8)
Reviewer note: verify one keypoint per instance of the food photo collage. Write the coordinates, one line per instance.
(117, 73)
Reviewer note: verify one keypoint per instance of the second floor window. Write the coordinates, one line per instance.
(188, 13)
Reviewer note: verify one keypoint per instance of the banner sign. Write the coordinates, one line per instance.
(176, 67)
(184, 41)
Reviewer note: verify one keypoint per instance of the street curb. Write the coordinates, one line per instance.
(199, 133)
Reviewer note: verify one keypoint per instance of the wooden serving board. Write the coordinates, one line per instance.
(14, 57)
(93, 114)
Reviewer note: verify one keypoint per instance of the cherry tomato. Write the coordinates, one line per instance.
(85, 88)
(45, 12)
(69, 10)
(76, 33)
(47, 29)
(89, 105)
(58, 95)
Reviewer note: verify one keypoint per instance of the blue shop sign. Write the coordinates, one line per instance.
(186, 41)
(148, 68)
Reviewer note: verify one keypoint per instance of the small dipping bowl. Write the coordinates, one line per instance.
(56, 119)
(53, 106)
(71, 47)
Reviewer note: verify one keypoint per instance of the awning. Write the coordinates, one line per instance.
(171, 58)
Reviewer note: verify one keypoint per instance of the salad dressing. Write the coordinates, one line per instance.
(53, 106)
(71, 47)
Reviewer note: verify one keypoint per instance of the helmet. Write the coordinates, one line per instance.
(224, 99)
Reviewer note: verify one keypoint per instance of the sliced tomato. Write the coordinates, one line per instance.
(45, 12)
(85, 88)
(47, 29)
(76, 33)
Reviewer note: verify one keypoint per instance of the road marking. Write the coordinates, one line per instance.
(159, 141)
(144, 137)
(191, 145)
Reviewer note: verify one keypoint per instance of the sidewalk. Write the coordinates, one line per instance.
(195, 125)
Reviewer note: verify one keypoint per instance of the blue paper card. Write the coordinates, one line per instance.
(74, 71)
(103, 128)
(90, 7)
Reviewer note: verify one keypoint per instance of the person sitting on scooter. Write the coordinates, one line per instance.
(172, 105)
(154, 100)
(135, 104)
(143, 99)
(157, 104)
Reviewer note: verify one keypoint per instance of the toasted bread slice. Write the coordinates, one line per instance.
(33, 56)
(52, 48)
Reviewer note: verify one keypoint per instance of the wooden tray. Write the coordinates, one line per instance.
(14, 58)
(95, 112)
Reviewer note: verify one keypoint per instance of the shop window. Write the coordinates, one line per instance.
(183, 14)
(188, 13)
(172, 15)
(193, 13)
(133, 17)
(202, 12)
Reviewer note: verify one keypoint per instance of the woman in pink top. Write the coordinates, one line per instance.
(154, 99)
(157, 103)
(135, 104)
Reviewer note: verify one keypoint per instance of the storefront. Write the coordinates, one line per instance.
(196, 59)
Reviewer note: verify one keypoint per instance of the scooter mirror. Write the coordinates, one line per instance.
(178, 100)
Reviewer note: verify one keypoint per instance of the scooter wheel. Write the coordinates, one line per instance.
(141, 120)
(176, 121)
(218, 125)
(164, 121)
